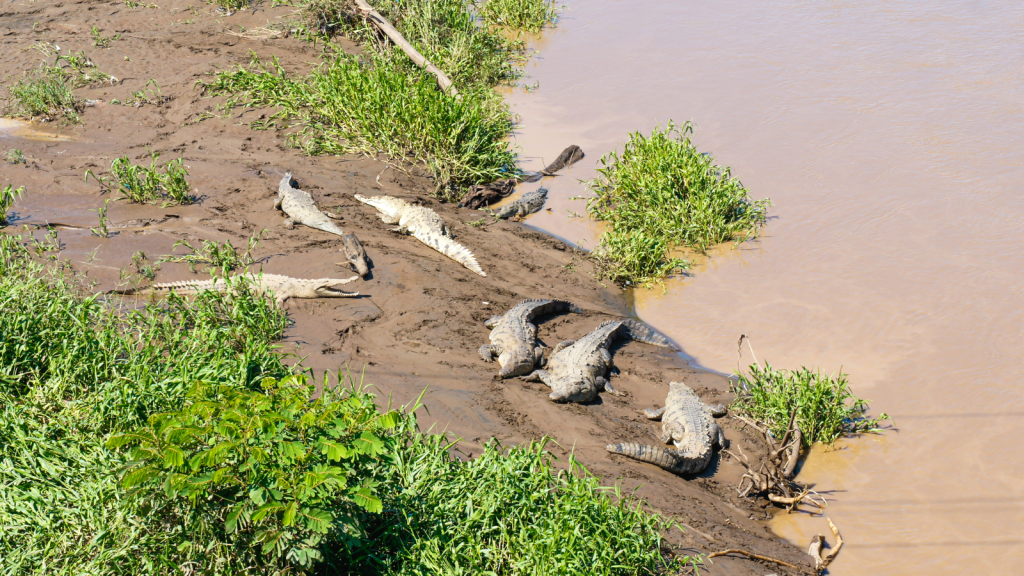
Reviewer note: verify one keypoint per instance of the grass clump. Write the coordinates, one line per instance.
(825, 407)
(100, 41)
(524, 15)
(661, 194)
(223, 256)
(7, 197)
(15, 156)
(346, 106)
(44, 94)
(145, 184)
(173, 437)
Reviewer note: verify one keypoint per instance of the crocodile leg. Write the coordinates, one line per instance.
(400, 230)
(718, 436)
(289, 223)
(331, 215)
(560, 345)
(277, 202)
(604, 384)
(538, 356)
(535, 376)
(653, 414)
(488, 352)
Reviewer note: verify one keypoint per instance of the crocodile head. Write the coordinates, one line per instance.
(328, 291)
(518, 361)
(571, 389)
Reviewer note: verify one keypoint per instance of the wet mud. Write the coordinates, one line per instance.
(421, 320)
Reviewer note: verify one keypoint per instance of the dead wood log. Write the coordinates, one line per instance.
(821, 561)
(384, 26)
(751, 555)
(794, 456)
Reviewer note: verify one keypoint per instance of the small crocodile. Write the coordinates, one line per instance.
(356, 255)
(526, 204)
(300, 208)
(514, 335)
(425, 225)
(576, 370)
(282, 287)
(686, 422)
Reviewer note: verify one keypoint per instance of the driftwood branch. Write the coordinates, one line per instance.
(794, 456)
(384, 26)
(821, 561)
(751, 555)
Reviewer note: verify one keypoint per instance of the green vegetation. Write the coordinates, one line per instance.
(43, 93)
(101, 215)
(142, 184)
(661, 194)
(7, 197)
(380, 102)
(147, 271)
(525, 15)
(145, 96)
(223, 256)
(825, 407)
(148, 440)
(15, 156)
(100, 41)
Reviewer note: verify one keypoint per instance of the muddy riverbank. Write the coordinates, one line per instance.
(420, 322)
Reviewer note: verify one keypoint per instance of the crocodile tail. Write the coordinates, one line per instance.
(451, 249)
(666, 458)
(542, 307)
(640, 332)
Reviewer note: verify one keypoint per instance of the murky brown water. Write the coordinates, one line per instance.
(890, 136)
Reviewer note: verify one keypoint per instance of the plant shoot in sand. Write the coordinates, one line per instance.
(15, 156)
(142, 184)
(661, 194)
(43, 94)
(223, 256)
(7, 197)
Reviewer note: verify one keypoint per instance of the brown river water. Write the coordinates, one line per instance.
(890, 138)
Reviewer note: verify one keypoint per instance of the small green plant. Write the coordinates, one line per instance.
(15, 156)
(144, 184)
(147, 271)
(222, 255)
(100, 41)
(101, 214)
(521, 15)
(147, 95)
(78, 70)
(232, 5)
(7, 197)
(661, 194)
(825, 407)
(477, 223)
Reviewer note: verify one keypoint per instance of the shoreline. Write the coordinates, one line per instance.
(422, 322)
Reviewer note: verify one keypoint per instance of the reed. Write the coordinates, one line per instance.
(519, 15)
(7, 197)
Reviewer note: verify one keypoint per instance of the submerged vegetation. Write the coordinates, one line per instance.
(661, 194)
(7, 197)
(825, 407)
(380, 102)
(173, 437)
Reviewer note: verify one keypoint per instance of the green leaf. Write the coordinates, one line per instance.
(173, 456)
(368, 444)
(138, 476)
(317, 520)
(289, 513)
(336, 450)
(390, 420)
(365, 497)
(293, 450)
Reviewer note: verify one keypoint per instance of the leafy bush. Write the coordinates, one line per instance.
(661, 194)
(826, 408)
(270, 471)
(346, 107)
(525, 15)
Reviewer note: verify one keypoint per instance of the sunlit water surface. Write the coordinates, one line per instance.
(890, 138)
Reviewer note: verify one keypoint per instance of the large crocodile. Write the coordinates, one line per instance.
(686, 422)
(514, 335)
(300, 208)
(524, 206)
(425, 225)
(576, 370)
(282, 287)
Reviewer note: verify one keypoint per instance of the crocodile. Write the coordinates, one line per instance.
(688, 424)
(424, 224)
(514, 335)
(282, 287)
(481, 195)
(526, 204)
(300, 208)
(576, 370)
(355, 254)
